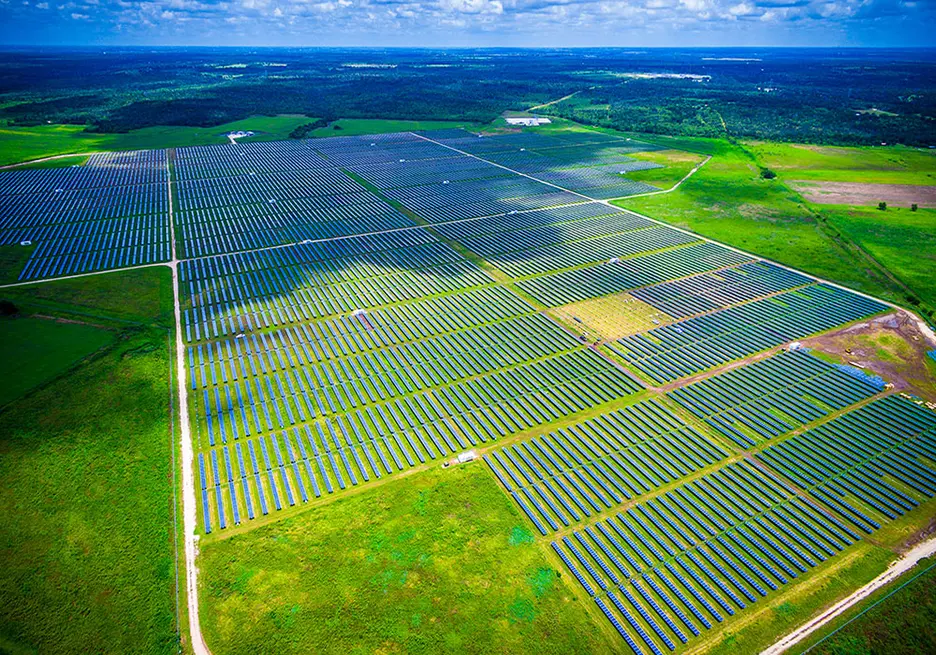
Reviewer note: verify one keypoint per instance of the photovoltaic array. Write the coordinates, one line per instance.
(112, 212)
(771, 397)
(355, 307)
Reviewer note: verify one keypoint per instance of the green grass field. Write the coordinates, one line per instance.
(18, 144)
(439, 561)
(727, 200)
(12, 260)
(142, 295)
(890, 165)
(676, 165)
(34, 350)
(902, 240)
(87, 499)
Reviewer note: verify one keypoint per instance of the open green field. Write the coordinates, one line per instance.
(87, 499)
(676, 165)
(36, 349)
(142, 295)
(728, 200)
(12, 260)
(439, 561)
(903, 241)
(18, 144)
(880, 165)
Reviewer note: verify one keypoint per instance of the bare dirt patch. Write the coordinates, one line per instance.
(858, 193)
(891, 346)
(668, 156)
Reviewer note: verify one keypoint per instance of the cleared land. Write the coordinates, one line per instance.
(351, 319)
(612, 316)
(87, 534)
(36, 349)
(890, 346)
(440, 559)
(863, 193)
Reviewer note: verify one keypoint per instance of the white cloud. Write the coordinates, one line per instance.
(742, 9)
(473, 6)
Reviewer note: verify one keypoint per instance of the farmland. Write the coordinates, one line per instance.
(55, 347)
(88, 531)
(658, 468)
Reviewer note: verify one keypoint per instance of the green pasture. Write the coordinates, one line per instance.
(874, 165)
(904, 241)
(34, 350)
(728, 200)
(87, 498)
(437, 561)
(676, 165)
(141, 295)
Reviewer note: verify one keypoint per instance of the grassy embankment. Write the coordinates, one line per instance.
(18, 144)
(86, 461)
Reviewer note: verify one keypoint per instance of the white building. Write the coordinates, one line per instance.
(527, 121)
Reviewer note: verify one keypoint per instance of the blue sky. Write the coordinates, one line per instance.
(453, 23)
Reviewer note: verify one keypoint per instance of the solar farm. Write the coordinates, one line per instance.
(357, 308)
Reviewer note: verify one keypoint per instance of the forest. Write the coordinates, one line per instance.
(855, 97)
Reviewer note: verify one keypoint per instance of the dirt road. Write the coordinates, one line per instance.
(905, 563)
